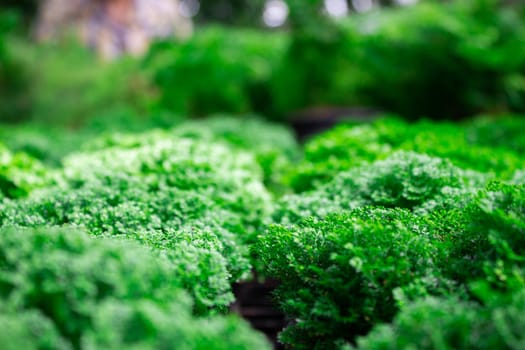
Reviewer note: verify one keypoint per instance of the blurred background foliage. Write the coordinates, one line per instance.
(436, 59)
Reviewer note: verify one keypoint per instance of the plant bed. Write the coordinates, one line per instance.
(381, 223)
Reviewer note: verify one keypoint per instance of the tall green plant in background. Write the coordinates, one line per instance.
(90, 89)
(442, 60)
(217, 70)
(312, 59)
(435, 59)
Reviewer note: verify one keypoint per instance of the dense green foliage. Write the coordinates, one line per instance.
(125, 222)
(344, 272)
(35, 85)
(430, 60)
(430, 235)
(63, 289)
(199, 202)
(273, 145)
(230, 178)
(47, 144)
(217, 70)
(503, 132)
(469, 146)
(404, 180)
(20, 174)
(450, 323)
(341, 271)
(491, 244)
(92, 89)
(443, 61)
(386, 230)
(456, 59)
(193, 197)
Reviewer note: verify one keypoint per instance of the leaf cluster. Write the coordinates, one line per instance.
(200, 203)
(381, 239)
(403, 180)
(20, 174)
(467, 146)
(340, 275)
(62, 289)
(449, 323)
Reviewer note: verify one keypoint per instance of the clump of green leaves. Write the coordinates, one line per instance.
(273, 145)
(490, 245)
(450, 141)
(336, 150)
(216, 71)
(455, 58)
(29, 329)
(450, 323)
(20, 174)
(403, 180)
(468, 239)
(442, 45)
(203, 240)
(99, 293)
(230, 178)
(198, 202)
(340, 275)
(348, 146)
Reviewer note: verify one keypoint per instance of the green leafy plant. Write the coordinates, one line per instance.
(216, 71)
(489, 247)
(20, 174)
(437, 60)
(340, 275)
(339, 149)
(448, 77)
(450, 323)
(198, 202)
(468, 237)
(467, 146)
(403, 180)
(99, 293)
(231, 178)
(273, 144)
